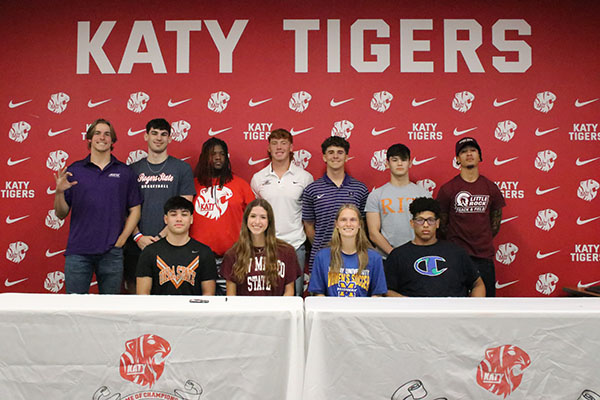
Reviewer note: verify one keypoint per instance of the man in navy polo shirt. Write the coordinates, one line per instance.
(104, 200)
(322, 198)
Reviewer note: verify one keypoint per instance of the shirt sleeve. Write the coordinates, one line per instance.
(209, 266)
(134, 196)
(471, 273)
(363, 199)
(308, 205)
(372, 204)
(186, 184)
(254, 185)
(292, 269)
(377, 286)
(145, 263)
(248, 193)
(390, 268)
(443, 199)
(497, 199)
(227, 266)
(318, 279)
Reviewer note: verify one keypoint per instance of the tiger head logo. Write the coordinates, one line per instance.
(502, 369)
(143, 361)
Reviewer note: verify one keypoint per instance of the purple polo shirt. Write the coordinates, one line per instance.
(99, 203)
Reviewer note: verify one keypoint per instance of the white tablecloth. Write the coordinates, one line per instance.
(84, 347)
(533, 349)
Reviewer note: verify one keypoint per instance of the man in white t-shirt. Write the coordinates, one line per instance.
(281, 183)
(387, 212)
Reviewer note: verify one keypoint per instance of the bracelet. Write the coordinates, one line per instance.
(137, 237)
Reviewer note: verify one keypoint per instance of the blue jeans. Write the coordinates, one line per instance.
(108, 268)
(299, 284)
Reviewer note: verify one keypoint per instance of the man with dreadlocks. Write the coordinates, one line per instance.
(220, 202)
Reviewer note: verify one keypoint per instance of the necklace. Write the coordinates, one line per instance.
(164, 163)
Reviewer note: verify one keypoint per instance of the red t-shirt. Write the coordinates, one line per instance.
(256, 283)
(218, 213)
(468, 206)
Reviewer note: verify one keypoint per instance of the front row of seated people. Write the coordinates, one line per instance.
(259, 264)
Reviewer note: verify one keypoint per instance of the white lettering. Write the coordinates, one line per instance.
(87, 48)
(453, 46)
(408, 45)
(521, 47)
(301, 28)
(183, 29)
(142, 30)
(380, 51)
(226, 45)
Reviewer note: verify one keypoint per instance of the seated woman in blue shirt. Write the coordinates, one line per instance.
(348, 267)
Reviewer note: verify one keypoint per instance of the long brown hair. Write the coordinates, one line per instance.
(361, 242)
(244, 249)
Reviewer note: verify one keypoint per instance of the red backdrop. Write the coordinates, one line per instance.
(520, 78)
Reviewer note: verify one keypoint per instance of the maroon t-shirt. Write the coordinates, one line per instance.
(468, 206)
(255, 283)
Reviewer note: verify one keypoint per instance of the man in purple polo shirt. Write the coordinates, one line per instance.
(104, 200)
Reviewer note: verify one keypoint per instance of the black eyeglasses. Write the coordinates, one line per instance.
(421, 221)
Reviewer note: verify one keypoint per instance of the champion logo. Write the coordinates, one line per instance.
(502, 162)
(254, 162)
(586, 285)
(540, 192)
(503, 285)
(10, 162)
(172, 103)
(541, 256)
(15, 105)
(375, 132)
(294, 132)
(501, 103)
(10, 220)
(215, 133)
(54, 133)
(8, 283)
(53, 253)
(92, 104)
(508, 219)
(334, 103)
(585, 221)
(416, 103)
(579, 163)
(458, 133)
(584, 103)
(253, 103)
(542, 133)
(49, 190)
(419, 162)
(133, 133)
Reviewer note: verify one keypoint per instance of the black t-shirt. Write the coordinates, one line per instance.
(177, 269)
(442, 269)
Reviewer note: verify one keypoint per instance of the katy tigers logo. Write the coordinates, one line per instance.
(143, 363)
(502, 369)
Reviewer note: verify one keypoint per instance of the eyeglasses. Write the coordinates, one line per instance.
(421, 221)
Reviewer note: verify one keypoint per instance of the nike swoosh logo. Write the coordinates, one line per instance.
(10, 220)
(542, 133)
(50, 191)
(579, 163)
(91, 104)
(503, 285)
(508, 219)
(585, 221)
(416, 103)
(8, 283)
(586, 285)
(253, 103)
(53, 253)
(540, 192)
(54, 133)
(501, 162)
(375, 132)
(10, 162)
(541, 256)
(584, 103)
(501, 103)
(185, 158)
(419, 162)
(15, 105)
(294, 132)
(254, 162)
(320, 195)
(172, 103)
(334, 103)
(133, 133)
(458, 133)
(215, 133)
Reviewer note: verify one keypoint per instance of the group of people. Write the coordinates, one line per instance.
(166, 229)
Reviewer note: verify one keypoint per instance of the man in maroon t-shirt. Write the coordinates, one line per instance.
(472, 211)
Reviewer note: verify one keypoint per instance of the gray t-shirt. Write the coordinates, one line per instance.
(392, 202)
(158, 183)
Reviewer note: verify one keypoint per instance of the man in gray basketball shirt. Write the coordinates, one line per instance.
(387, 212)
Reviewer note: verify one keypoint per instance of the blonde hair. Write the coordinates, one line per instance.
(244, 249)
(361, 242)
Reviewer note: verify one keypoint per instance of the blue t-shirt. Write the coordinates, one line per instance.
(346, 283)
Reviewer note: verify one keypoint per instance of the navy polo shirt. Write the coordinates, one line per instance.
(100, 203)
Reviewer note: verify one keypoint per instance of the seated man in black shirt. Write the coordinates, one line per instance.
(177, 264)
(427, 267)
